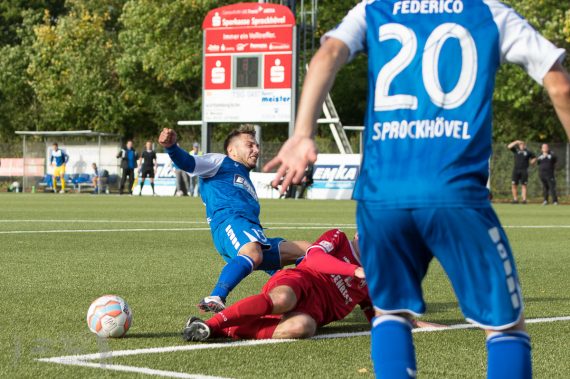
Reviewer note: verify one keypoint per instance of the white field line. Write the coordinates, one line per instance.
(162, 222)
(135, 369)
(84, 360)
(300, 227)
(275, 224)
(292, 227)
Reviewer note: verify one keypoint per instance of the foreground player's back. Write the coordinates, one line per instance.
(432, 66)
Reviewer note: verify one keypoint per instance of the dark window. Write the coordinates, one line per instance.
(247, 72)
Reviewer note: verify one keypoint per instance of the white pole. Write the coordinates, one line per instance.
(568, 169)
(99, 166)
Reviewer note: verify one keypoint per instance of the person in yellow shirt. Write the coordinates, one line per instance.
(58, 159)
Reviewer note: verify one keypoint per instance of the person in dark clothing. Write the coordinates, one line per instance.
(523, 158)
(546, 164)
(129, 158)
(147, 166)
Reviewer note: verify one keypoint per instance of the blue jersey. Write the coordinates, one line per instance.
(59, 156)
(431, 71)
(225, 186)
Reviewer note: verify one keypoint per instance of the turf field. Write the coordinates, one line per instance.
(60, 252)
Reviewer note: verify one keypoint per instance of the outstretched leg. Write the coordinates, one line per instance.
(279, 300)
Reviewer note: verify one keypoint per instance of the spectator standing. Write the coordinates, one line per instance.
(58, 159)
(129, 158)
(546, 165)
(147, 166)
(182, 181)
(193, 189)
(523, 158)
(95, 179)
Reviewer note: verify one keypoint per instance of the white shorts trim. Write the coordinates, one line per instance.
(397, 311)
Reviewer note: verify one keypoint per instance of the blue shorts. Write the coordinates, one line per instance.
(233, 234)
(397, 246)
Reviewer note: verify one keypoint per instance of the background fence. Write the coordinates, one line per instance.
(501, 162)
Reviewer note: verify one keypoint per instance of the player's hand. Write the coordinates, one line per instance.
(167, 137)
(359, 273)
(293, 158)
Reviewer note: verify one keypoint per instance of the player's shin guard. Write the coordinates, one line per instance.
(232, 273)
(509, 356)
(393, 351)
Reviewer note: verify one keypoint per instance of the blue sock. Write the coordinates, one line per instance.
(232, 273)
(509, 356)
(393, 351)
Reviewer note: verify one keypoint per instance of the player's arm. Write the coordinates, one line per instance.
(321, 257)
(179, 156)
(317, 259)
(512, 145)
(65, 157)
(205, 166)
(557, 84)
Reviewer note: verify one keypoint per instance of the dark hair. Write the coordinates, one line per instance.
(243, 129)
(55, 144)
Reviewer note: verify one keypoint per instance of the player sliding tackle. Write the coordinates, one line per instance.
(325, 287)
(233, 210)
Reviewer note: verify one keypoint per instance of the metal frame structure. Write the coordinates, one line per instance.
(74, 133)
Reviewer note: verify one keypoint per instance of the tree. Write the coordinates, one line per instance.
(73, 74)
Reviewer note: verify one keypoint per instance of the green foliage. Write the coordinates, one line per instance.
(73, 76)
(134, 66)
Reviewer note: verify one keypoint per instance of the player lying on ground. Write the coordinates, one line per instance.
(325, 287)
(232, 209)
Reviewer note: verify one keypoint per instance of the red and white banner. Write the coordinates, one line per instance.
(248, 63)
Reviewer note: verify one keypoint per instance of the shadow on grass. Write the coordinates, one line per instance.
(154, 335)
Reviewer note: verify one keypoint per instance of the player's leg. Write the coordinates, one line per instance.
(545, 189)
(395, 261)
(474, 252)
(279, 295)
(295, 325)
(151, 175)
(62, 177)
(131, 180)
(514, 186)
(54, 179)
(241, 244)
(509, 353)
(524, 180)
(552, 185)
(291, 251)
(123, 181)
(238, 268)
(142, 178)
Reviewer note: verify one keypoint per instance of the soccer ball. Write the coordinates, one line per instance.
(109, 316)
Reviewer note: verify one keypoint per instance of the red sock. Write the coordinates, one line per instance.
(242, 312)
(259, 329)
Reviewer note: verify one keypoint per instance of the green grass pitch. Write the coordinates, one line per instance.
(60, 252)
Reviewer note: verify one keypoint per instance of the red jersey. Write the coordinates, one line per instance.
(330, 262)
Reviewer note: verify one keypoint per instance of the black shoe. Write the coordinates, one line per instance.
(524, 202)
(195, 330)
(514, 202)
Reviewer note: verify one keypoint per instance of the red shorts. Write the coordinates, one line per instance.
(307, 288)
